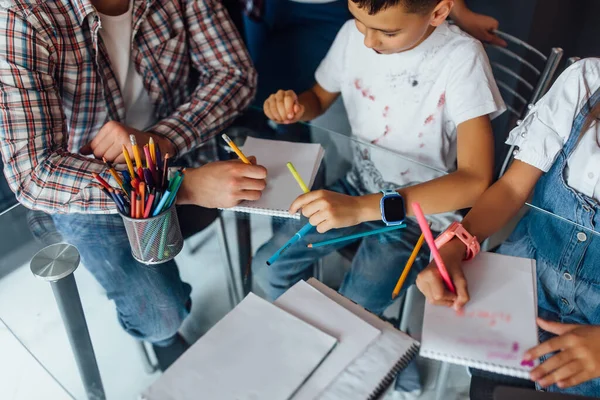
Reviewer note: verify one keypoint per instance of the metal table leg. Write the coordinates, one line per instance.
(56, 264)
(245, 251)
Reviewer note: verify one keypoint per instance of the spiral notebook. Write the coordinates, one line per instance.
(497, 326)
(371, 373)
(282, 189)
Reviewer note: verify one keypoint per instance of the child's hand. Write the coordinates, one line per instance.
(283, 107)
(431, 284)
(578, 359)
(328, 210)
(481, 27)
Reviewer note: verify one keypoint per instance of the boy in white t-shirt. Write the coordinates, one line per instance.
(412, 84)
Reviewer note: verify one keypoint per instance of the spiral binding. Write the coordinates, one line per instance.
(486, 366)
(263, 211)
(389, 378)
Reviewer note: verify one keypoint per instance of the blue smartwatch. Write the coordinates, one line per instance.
(393, 211)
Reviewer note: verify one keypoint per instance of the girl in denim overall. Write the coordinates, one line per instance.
(559, 148)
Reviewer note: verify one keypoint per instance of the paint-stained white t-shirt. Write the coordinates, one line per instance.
(410, 103)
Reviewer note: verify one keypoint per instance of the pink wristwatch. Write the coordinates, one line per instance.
(461, 233)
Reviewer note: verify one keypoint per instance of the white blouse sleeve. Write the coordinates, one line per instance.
(545, 130)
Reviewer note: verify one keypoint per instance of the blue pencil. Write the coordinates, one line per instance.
(299, 235)
(161, 204)
(357, 236)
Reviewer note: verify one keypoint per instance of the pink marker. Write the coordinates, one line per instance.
(432, 247)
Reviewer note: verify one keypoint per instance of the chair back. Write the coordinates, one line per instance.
(523, 74)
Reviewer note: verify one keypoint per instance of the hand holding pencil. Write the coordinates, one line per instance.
(432, 285)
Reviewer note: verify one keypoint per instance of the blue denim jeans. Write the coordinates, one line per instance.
(150, 300)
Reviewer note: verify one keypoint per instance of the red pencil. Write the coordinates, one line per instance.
(102, 181)
(149, 205)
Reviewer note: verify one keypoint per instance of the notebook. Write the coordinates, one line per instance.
(354, 335)
(371, 373)
(251, 354)
(498, 324)
(282, 189)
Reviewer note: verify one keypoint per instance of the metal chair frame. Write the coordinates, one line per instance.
(535, 90)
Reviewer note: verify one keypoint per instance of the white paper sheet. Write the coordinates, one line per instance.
(282, 189)
(498, 324)
(353, 334)
(256, 352)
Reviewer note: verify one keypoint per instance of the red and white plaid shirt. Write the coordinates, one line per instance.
(57, 89)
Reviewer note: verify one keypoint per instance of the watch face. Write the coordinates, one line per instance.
(393, 207)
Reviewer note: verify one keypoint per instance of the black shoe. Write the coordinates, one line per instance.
(167, 355)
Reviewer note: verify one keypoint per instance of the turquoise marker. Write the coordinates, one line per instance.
(356, 236)
(161, 204)
(299, 235)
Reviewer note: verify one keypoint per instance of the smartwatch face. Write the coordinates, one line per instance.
(393, 208)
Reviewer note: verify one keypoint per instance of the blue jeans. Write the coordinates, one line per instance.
(290, 42)
(150, 300)
(375, 268)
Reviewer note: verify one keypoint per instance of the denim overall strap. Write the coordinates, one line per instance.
(568, 256)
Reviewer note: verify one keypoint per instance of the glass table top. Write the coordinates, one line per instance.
(29, 310)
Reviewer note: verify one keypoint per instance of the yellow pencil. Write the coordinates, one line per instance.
(114, 174)
(136, 152)
(152, 150)
(129, 163)
(408, 266)
(235, 149)
(298, 178)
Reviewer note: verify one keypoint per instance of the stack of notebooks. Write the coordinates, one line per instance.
(282, 189)
(313, 343)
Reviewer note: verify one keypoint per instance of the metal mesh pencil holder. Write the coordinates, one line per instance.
(154, 240)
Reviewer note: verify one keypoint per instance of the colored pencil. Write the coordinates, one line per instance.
(136, 152)
(102, 181)
(152, 150)
(298, 178)
(432, 247)
(235, 149)
(128, 161)
(408, 266)
(356, 236)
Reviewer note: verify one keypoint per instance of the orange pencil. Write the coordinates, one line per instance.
(133, 204)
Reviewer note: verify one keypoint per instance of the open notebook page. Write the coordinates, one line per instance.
(354, 335)
(282, 189)
(498, 324)
(256, 352)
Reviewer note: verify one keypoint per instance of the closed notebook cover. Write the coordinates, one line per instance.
(256, 352)
(282, 189)
(371, 373)
(353, 334)
(497, 326)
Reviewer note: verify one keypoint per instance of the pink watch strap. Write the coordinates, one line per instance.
(456, 229)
